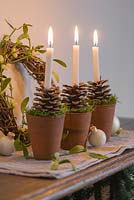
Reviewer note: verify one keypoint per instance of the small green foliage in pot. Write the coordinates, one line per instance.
(47, 102)
(99, 93)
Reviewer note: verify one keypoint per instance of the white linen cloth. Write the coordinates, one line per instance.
(18, 165)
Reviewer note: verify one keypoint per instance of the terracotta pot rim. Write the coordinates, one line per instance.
(78, 112)
(105, 105)
(51, 116)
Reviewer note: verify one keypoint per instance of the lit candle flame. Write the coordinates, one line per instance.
(76, 35)
(95, 38)
(50, 37)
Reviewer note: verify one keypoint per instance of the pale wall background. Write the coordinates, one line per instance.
(114, 20)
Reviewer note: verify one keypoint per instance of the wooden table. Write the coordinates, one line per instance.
(17, 187)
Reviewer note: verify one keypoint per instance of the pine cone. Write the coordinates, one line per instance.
(75, 96)
(99, 90)
(47, 100)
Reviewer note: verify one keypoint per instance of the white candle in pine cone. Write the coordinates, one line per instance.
(49, 59)
(95, 51)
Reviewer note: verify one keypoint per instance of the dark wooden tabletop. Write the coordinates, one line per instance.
(24, 188)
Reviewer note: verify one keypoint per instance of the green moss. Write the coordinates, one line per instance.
(40, 113)
(88, 108)
(111, 100)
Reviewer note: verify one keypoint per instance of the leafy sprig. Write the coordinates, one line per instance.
(23, 110)
(80, 148)
(20, 146)
(56, 162)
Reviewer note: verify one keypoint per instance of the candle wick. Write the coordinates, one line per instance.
(50, 44)
(76, 42)
(95, 44)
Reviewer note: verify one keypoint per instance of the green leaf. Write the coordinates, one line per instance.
(77, 149)
(60, 62)
(5, 83)
(25, 29)
(41, 51)
(119, 131)
(39, 47)
(18, 145)
(24, 104)
(56, 76)
(68, 161)
(54, 165)
(97, 155)
(25, 151)
(55, 156)
(23, 36)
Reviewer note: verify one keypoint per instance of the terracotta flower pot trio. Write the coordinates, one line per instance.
(50, 128)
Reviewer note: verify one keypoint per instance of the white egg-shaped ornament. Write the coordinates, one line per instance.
(116, 125)
(97, 137)
(7, 144)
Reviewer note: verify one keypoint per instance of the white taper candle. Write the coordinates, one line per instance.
(95, 51)
(49, 59)
(75, 78)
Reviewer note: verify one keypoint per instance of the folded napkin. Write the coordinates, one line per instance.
(18, 165)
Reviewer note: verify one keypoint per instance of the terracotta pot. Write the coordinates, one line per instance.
(102, 118)
(76, 127)
(45, 135)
